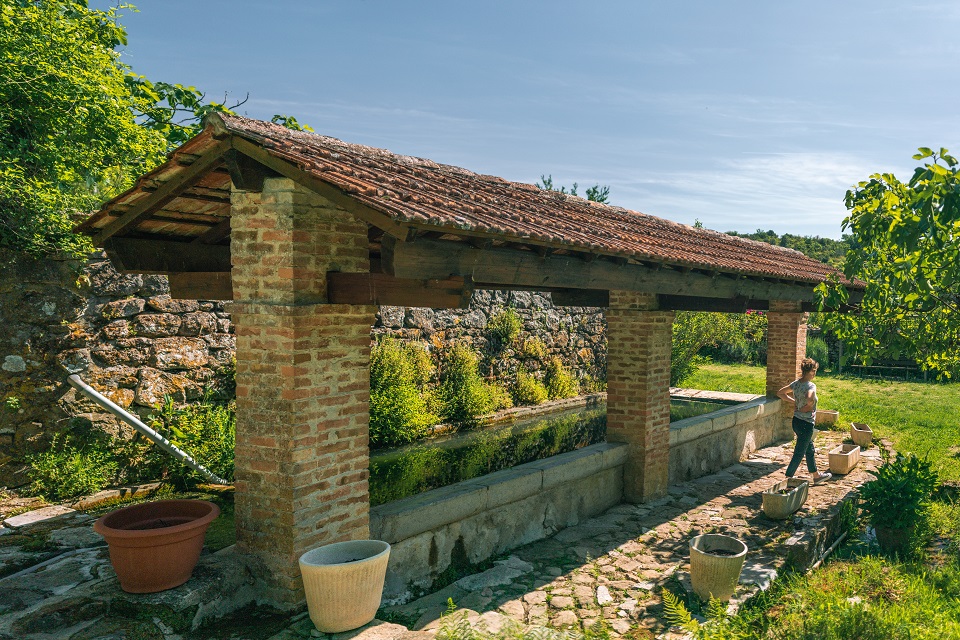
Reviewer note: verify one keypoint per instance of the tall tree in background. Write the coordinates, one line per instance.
(596, 193)
(906, 247)
(76, 125)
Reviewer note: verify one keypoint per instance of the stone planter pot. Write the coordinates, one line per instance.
(715, 565)
(893, 540)
(861, 434)
(154, 546)
(827, 417)
(779, 505)
(844, 458)
(344, 582)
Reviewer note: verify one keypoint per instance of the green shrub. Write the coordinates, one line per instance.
(398, 408)
(818, 350)
(899, 497)
(504, 327)
(527, 389)
(533, 348)
(559, 381)
(66, 470)
(205, 430)
(463, 396)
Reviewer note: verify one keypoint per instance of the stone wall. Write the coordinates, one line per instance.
(577, 335)
(130, 340)
(122, 334)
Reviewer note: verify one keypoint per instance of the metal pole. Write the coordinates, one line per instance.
(158, 439)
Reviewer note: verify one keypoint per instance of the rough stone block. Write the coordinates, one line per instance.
(567, 467)
(37, 516)
(510, 485)
(427, 511)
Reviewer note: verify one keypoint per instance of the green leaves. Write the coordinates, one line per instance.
(904, 245)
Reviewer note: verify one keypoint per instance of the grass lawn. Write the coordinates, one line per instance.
(916, 416)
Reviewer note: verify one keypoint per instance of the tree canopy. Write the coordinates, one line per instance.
(77, 126)
(905, 245)
(825, 250)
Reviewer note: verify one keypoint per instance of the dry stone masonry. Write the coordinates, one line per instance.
(125, 335)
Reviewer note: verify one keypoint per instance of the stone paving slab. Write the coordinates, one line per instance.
(37, 515)
(613, 567)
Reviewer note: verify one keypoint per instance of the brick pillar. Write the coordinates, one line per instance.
(638, 390)
(303, 381)
(786, 344)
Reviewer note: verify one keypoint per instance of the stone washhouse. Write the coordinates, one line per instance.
(305, 234)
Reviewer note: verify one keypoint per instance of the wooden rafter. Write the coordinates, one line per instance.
(381, 289)
(131, 255)
(165, 193)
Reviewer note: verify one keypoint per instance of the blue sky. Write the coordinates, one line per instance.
(742, 115)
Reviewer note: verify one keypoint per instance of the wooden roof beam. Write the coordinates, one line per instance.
(507, 268)
(131, 255)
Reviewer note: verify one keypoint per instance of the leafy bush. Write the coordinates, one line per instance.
(398, 407)
(206, 430)
(504, 327)
(66, 470)
(463, 395)
(692, 331)
(559, 381)
(818, 350)
(533, 348)
(527, 389)
(899, 497)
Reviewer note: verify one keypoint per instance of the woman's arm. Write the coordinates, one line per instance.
(784, 394)
(811, 401)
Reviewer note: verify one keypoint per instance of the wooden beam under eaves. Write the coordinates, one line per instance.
(507, 269)
(381, 289)
(172, 188)
(130, 255)
(217, 285)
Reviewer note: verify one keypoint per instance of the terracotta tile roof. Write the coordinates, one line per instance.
(428, 195)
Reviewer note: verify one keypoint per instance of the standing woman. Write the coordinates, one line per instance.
(804, 399)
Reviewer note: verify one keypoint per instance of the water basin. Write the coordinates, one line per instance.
(406, 471)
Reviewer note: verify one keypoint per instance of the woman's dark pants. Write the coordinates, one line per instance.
(804, 431)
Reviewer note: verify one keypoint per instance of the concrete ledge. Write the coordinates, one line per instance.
(453, 527)
(708, 443)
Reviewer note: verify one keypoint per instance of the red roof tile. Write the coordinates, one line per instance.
(426, 194)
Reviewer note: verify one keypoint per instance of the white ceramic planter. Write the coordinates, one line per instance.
(779, 505)
(344, 583)
(844, 458)
(827, 417)
(714, 575)
(861, 434)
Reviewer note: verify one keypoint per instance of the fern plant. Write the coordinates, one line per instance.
(719, 625)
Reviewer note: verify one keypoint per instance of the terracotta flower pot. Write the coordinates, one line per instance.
(893, 540)
(343, 583)
(784, 498)
(715, 565)
(154, 546)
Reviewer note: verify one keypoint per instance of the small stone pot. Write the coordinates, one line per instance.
(715, 565)
(779, 505)
(344, 583)
(861, 434)
(155, 546)
(827, 417)
(844, 458)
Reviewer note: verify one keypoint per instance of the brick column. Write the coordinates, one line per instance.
(638, 390)
(786, 344)
(302, 380)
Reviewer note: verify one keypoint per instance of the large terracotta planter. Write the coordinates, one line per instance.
(861, 434)
(715, 565)
(827, 417)
(844, 458)
(784, 498)
(344, 583)
(154, 546)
